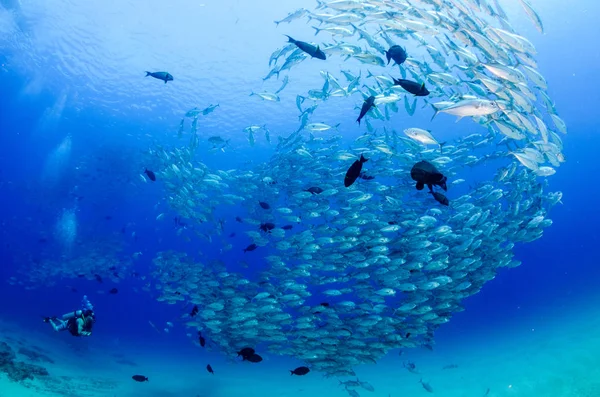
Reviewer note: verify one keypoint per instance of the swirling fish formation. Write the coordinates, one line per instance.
(355, 272)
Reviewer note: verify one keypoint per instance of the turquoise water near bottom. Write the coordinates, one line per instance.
(559, 358)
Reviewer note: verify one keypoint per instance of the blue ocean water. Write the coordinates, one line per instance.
(77, 70)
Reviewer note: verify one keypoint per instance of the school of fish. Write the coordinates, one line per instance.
(350, 272)
(353, 272)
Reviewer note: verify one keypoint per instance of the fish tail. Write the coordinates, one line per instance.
(291, 372)
(387, 55)
(436, 111)
(363, 159)
(442, 147)
(317, 30)
(290, 40)
(148, 73)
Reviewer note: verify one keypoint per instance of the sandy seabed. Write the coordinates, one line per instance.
(561, 358)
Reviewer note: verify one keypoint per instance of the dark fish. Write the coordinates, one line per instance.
(287, 227)
(367, 105)
(263, 205)
(392, 223)
(411, 86)
(42, 240)
(251, 247)
(140, 378)
(324, 304)
(440, 198)
(314, 190)
(267, 227)
(300, 371)
(238, 219)
(209, 369)
(254, 358)
(396, 53)
(201, 340)
(194, 311)
(232, 234)
(150, 175)
(310, 49)
(411, 367)
(113, 291)
(366, 177)
(98, 278)
(426, 386)
(164, 76)
(108, 217)
(424, 173)
(354, 171)
(112, 268)
(246, 352)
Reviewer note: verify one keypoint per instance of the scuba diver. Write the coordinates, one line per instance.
(78, 323)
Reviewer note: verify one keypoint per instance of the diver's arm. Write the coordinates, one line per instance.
(80, 330)
(71, 315)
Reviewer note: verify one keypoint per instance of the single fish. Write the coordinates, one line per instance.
(440, 198)
(194, 312)
(251, 247)
(397, 53)
(164, 76)
(469, 107)
(426, 386)
(367, 105)
(424, 173)
(354, 171)
(314, 190)
(209, 369)
(310, 49)
(150, 174)
(267, 96)
(420, 135)
(411, 86)
(267, 227)
(300, 371)
(140, 378)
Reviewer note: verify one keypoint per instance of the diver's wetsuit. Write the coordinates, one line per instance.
(75, 322)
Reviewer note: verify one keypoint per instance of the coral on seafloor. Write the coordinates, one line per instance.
(18, 370)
